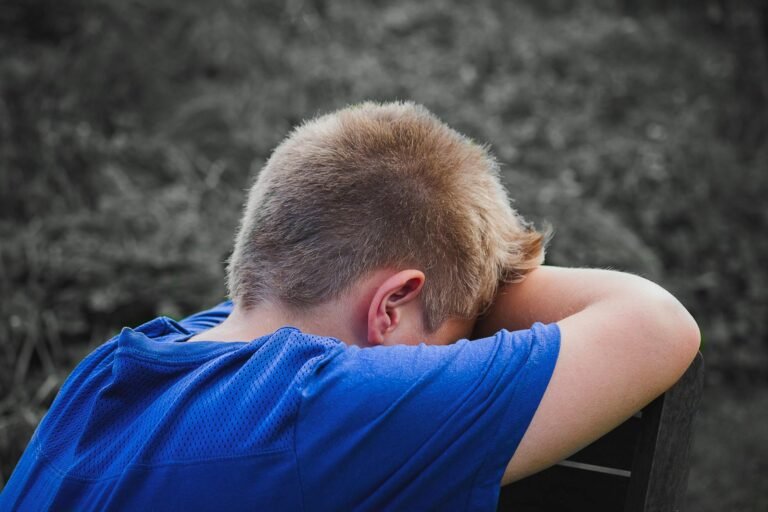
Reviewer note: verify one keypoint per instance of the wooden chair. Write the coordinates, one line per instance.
(642, 465)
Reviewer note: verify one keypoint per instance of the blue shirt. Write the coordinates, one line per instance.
(288, 421)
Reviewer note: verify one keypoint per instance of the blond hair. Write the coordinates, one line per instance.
(380, 186)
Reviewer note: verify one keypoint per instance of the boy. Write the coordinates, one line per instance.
(373, 240)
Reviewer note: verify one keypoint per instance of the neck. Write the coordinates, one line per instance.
(265, 318)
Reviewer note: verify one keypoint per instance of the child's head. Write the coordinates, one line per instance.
(374, 187)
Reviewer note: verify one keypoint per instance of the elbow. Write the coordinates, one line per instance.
(680, 334)
(685, 329)
(690, 335)
(667, 339)
(693, 330)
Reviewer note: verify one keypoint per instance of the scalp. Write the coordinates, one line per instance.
(380, 185)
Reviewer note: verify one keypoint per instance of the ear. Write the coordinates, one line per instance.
(386, 308)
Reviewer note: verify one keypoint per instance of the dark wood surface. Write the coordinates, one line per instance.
(660, 472)
(567, 490)
(616, 449)
(642, 465)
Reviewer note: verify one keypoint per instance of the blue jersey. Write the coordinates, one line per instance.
(288, 421)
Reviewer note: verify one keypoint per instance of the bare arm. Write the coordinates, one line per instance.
(624, 341)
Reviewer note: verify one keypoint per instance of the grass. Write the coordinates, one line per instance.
(729, 460)
(129, 130)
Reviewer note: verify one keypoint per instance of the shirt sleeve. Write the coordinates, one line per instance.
(208, 318)
(421, 427)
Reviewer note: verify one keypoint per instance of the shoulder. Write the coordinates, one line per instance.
(208, 318)
(425, 378)
(440, 421)
(509, 348)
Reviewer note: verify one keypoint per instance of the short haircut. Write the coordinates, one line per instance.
(378, 186)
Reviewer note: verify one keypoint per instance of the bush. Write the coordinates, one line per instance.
(128, 132)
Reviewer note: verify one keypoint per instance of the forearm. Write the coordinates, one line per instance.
(550, 294)
(623, 341)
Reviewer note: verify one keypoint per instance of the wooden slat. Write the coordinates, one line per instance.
(660, 438)
(592, 467)
(660, 471)
(565, 489)
(616, 449)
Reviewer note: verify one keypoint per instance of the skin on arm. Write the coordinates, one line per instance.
(624, 341)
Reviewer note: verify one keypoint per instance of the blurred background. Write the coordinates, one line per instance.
(130, 129)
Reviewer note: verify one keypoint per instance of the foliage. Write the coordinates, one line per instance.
(730, 456)
(129, 131)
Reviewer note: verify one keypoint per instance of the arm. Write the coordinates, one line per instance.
(624, 341)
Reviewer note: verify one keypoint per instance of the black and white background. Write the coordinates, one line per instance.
(129, 130)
